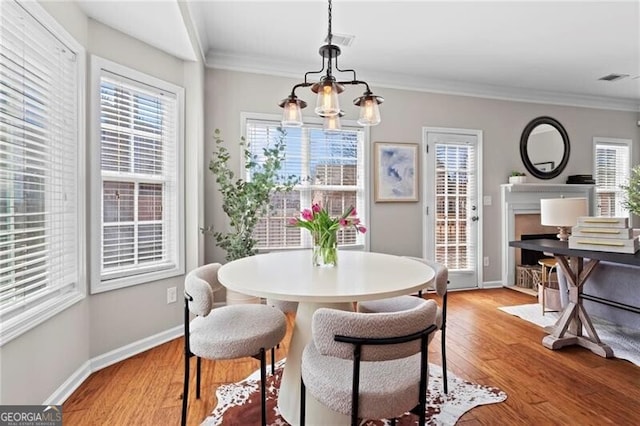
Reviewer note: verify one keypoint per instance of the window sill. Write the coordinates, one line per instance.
(131, 280)
(348, 247)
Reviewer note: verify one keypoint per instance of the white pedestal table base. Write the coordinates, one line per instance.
(289, 397)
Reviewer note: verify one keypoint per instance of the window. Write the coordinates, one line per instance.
(139, 186)
(612, 165)
(41, 216)
(331, 170)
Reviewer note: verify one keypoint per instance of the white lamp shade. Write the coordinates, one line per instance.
(562, 211)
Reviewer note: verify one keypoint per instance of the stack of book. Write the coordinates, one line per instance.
(604, 234)
(581, 179)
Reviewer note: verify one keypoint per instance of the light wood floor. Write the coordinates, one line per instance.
(567, 387)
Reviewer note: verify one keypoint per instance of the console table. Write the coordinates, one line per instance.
(568, 330)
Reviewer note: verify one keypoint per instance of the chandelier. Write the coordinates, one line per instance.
(327, 89)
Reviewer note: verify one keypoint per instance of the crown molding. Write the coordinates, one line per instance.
(269, 66)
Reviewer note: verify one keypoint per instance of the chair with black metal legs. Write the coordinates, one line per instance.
(228, 332)
(395, 304)
(364, 365)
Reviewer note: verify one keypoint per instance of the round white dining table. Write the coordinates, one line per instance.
(291, 276)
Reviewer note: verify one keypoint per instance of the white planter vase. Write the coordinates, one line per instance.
(235, 298)
(517, 179)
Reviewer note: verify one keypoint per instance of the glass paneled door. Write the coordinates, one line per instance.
(453, 214)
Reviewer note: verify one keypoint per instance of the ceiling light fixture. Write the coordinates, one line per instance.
(327, 89)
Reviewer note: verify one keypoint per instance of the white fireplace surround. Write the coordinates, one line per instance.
(525, 199)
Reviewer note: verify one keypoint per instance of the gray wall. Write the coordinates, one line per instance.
(38, 362)
(397, 228)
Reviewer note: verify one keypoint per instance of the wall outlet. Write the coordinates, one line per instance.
(486, 261)
(172, 295)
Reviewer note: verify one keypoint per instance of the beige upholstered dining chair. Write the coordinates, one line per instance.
(400, 303)
(364, 365)
(228, 332)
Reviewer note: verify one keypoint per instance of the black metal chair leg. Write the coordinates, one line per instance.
(444, 362)
(303, 402)
(198, 367)
(263, 386)
(185, 391)
(443, 342)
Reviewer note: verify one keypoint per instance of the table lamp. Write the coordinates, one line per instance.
(563, 213)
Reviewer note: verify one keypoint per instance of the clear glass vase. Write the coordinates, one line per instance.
(325, 248)
(325, 256)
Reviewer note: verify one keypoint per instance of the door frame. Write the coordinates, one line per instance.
(428, 195)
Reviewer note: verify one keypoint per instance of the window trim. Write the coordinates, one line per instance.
(142, 274)
(34, 315)
(366, 154)
(598, 140)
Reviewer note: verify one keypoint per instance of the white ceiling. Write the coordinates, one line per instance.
(541, 51)
(156, 22)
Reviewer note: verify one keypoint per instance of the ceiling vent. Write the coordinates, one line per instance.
(613, 77)
(341, 39)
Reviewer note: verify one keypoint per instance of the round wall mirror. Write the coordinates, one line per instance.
(544, 147)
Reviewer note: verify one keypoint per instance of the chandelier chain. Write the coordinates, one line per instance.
(330, 35)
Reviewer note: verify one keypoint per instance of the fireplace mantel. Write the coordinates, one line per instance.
(524, 198)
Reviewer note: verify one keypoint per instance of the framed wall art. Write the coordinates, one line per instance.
(395, 172)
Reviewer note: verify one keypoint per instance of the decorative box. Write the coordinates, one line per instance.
(599, 232)
(603, 222)
(629, 246)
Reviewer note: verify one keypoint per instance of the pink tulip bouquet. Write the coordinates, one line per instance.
(324, 231)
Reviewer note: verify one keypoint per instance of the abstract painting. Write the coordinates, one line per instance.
(395, 172)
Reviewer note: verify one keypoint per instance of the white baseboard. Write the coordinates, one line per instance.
(492, 284)
(74, 381)
(71, 384)
(117, 355)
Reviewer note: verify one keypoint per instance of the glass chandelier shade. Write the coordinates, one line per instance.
(332, 123)
(369, 110)
(292, 111)
(328, 103)
(327, 90)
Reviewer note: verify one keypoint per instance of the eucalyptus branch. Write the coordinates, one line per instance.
(244, 201)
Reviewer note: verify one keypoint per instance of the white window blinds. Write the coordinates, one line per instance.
(612, 168)
(139, 177)
(455, 243)
(330, 168)
(40, 220)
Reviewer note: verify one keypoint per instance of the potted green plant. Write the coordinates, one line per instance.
(245, 200)
(632, 200)
(517, 177)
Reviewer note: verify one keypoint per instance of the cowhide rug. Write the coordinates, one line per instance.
(239, 403)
